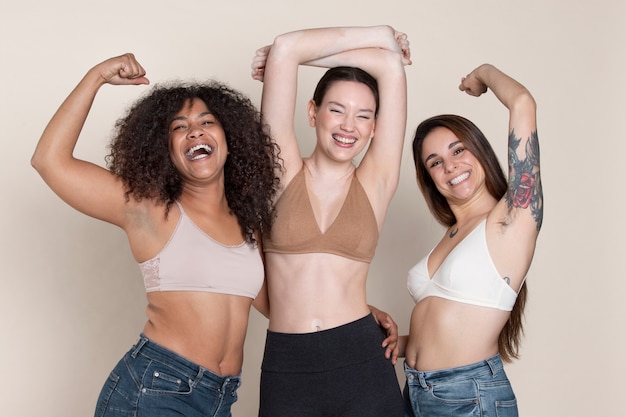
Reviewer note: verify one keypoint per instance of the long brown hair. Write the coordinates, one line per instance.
(475, 141)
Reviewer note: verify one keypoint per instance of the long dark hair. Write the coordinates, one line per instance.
(475, 141)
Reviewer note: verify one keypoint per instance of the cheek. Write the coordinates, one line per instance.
(369, 126)
(435, 177)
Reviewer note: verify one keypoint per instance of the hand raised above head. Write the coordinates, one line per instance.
(403, 43)
(473, 85)
(122, 70)
(258, 62)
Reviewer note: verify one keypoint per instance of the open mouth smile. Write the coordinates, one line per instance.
(459, 179)
(199, 152)
(344, 140)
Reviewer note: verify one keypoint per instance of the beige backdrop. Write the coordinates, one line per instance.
(71, 297)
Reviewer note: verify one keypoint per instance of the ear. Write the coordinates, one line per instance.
(373, 130)
(312, 112)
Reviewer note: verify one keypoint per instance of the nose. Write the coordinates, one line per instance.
(450, 166)
(347, 124)
(195, 132)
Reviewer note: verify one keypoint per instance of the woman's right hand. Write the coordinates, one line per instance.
(122, 70)
(88, 187)
(258, 63)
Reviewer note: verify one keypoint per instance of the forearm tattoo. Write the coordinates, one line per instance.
(524, 180)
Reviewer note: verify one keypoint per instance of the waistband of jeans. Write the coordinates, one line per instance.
(198, 375)
(491, 365)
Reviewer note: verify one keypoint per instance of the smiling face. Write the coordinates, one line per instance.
(345, 119)
(456, 172)
(197, 142)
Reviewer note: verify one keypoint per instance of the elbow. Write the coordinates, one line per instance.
(524, 101)
(36, 162)
(42, 160)
(283, 45)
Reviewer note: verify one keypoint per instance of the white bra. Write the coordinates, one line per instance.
(467, 275)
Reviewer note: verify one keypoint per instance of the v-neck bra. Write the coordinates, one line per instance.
(467, 275)
(353, 234)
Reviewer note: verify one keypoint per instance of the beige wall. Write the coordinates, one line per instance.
(71, 297)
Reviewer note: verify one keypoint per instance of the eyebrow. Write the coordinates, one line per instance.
(433, 155)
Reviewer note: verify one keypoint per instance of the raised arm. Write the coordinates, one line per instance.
(517, 217)
(524, 199)
(277, 66)
(85, 186)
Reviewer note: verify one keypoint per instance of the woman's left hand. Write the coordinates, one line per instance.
(472, 84)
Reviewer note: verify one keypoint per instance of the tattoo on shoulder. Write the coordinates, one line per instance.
(524, 180)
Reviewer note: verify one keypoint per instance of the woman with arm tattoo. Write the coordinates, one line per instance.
(470, 290)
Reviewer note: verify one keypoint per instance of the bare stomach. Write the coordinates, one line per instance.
(447, 334)
(206, 328)
(312, 292)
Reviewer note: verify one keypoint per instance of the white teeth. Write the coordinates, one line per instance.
(459, 179)
(190, 153)
(345, 141)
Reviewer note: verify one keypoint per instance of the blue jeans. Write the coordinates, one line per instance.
(481, 389)
(153, 381)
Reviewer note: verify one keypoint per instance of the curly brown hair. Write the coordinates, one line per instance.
(140, 153)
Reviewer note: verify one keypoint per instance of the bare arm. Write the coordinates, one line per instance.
(524, 198)
(87, 187)
(519, 214)
(277, 66)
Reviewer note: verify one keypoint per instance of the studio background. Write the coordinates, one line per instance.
(71, 296)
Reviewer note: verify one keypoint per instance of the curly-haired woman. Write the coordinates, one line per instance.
(191, 181)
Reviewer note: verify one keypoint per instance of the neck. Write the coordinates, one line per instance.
(468, 212)
(210, 199)
(325, 168)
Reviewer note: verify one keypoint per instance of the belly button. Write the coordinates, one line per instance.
(316, 325)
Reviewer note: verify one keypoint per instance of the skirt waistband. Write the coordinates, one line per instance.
(355, 342)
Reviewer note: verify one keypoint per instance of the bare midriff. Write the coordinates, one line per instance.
(447, 334)
(208, 329)
(316, 291)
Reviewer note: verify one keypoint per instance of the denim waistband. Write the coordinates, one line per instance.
(492, 365)
(198, 375)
